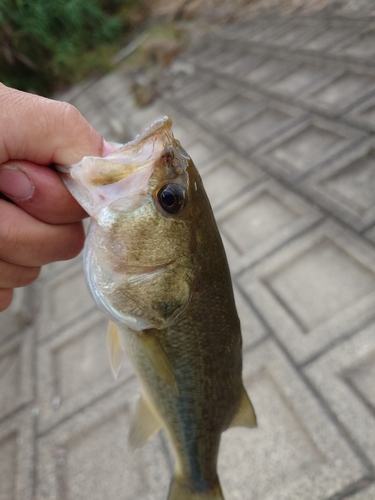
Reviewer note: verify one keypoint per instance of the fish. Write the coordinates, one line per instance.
(155, 264)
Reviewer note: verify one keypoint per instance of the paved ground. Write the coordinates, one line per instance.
(278, 113)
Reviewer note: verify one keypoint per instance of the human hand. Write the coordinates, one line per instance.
(42, 222)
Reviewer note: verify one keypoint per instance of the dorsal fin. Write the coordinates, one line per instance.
(245, 416)
(158, 358)
(143, 426)
(115, 348)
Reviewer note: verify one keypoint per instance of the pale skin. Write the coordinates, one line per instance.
(42, 222)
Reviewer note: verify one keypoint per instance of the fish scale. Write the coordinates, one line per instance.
(156, 265)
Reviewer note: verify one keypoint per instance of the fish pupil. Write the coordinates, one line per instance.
(172, 197)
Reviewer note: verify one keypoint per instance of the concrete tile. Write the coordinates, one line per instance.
(345, 187)
(268, 31)
(316, 290)
(87, 457)
(204, 149)
(341, 93)
(296, 452)
(242, 64)
(363, 47)
(260, 220)
(20, 314)
(313, 142)
(265, 122)
(17, 457)
(228, 176)
(270, 67)
(233, 110)
(366, 494)
(363, 115)
(300, 79)
(201, 103)
(370, 234)
(73, 370)
(16, 370)
(191, 86)
(295, 36)
(327, 39)
(345, 379)
(252, 328)
(63, 300)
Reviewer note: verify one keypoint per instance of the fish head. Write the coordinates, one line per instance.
(144, 200)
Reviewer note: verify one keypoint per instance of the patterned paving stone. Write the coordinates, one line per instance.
(345, 187)
(363, 115)
(252, 329)
(88, 456)
(20, 314)
(345, 378)
(265, 31)
(265, 122)
(366, 494)
(341, 93)
(240, 175)
(316, 290)
(300, 79)
(73, 370)
(302, 148)
(296, 452)
(64, 300)
(204, 149)
(17, 456)
(295, 35)
(323, 42)
(241, 65)
(233, 110)
(203, 101)
(16, 369)
(257, 222)
(361, 48)
(270, 67)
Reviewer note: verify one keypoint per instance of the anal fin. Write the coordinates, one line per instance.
(180, 491)
(245, 416)
(143, 426)
(115, 348)
(158, 358)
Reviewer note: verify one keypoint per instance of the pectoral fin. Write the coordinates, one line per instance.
(143, 426)
(115, 348)
(245, 416)
(158, 359)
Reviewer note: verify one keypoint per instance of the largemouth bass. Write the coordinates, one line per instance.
(155, 263)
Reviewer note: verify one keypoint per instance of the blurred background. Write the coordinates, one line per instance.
(275, 102)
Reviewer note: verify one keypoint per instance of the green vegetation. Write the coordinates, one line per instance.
(48, 44)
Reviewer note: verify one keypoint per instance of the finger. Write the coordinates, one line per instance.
(6, 296)
(44, 131)
(27, 241)
(40, 192)
(12, 276)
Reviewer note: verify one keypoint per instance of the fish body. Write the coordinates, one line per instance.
(155, 263)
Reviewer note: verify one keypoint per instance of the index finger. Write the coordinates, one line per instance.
(44, 131)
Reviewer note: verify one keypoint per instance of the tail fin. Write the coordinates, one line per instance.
(181, 491)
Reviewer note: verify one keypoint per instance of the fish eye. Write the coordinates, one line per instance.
(172, 198)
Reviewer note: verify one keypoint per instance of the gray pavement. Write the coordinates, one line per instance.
(278, 113)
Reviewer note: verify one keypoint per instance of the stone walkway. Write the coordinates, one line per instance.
(278, 113)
